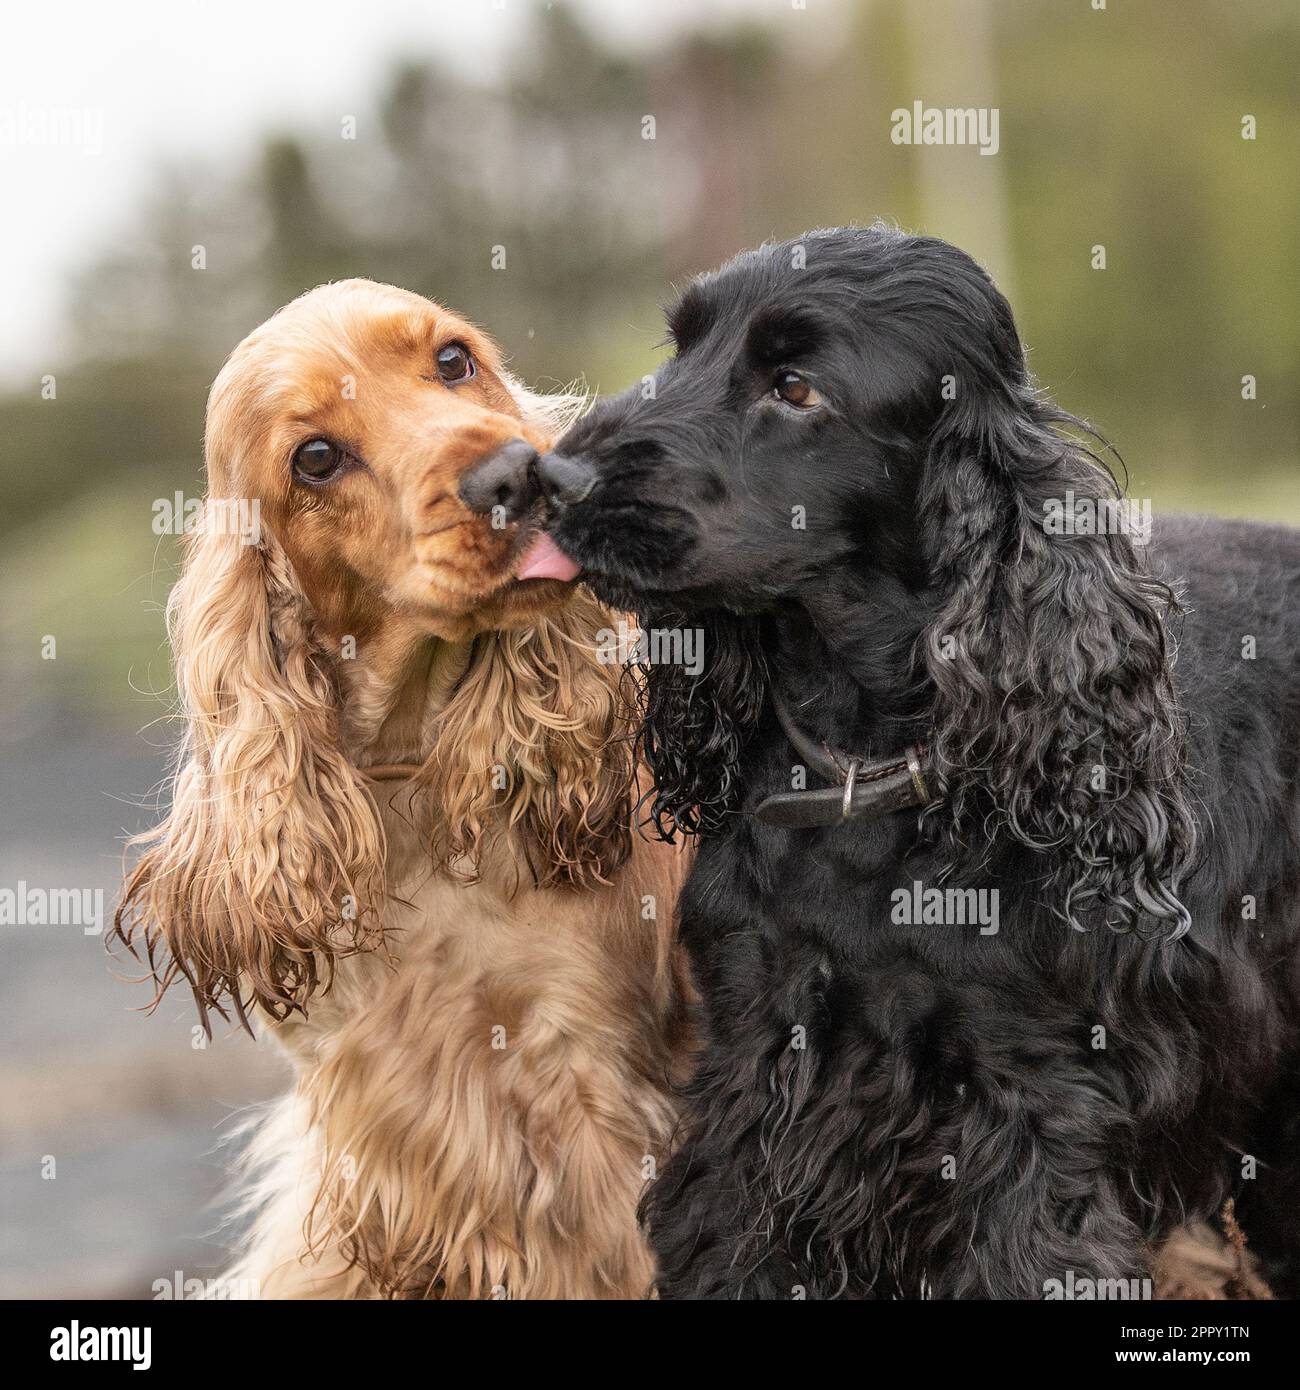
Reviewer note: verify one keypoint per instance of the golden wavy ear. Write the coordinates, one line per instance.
(269, 865)
(535, 745)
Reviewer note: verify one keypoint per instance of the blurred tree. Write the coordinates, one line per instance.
(537, 202)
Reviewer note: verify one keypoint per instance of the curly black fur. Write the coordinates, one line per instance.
(890, 1108)
(694, 728)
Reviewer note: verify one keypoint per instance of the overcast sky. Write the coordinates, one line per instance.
(180, 78)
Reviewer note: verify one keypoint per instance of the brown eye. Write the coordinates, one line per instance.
(454, 362)
(318, 460)
(796, 390)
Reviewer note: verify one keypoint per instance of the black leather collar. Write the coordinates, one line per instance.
(860, 787)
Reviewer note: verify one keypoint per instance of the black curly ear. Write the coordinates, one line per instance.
(697, 716)
(1055, 718)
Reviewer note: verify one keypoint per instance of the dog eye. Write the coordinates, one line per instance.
(318, 460)
(796, 390)
(454, 362)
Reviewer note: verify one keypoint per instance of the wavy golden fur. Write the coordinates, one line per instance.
(473, 968)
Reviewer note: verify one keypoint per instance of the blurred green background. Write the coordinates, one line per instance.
(1120, 127)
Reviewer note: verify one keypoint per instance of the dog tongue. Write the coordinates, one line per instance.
(545, 560)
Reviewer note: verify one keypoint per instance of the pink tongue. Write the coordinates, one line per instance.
(545, 560)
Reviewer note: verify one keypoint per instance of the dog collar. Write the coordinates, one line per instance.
(861, 786)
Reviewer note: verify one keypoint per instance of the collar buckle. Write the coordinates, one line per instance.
(858, 787)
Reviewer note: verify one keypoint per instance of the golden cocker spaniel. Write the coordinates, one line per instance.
(401, 830)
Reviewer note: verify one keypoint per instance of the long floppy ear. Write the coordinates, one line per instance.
(536, 745)
(269, 865)
(1056, 717)
(697, 719)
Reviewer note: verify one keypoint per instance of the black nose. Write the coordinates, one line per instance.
(503, 480)
(564, 479)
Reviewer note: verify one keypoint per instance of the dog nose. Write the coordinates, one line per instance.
(503, 479)
(564, 479)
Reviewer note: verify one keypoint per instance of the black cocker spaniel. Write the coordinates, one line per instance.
(997, 895)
